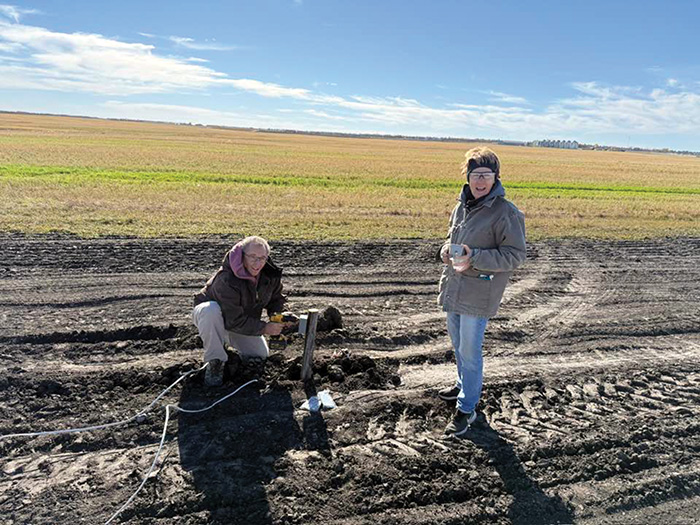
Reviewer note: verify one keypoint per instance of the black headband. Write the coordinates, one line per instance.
(482, 163)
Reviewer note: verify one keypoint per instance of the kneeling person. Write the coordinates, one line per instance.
(229, 307)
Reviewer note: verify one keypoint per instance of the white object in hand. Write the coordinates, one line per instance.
(456, 250)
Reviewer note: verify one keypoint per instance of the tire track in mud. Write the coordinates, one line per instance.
(589, 408)
(100, 361)
(442, 374)
(569, 309)
(77, 302)
(549, 415)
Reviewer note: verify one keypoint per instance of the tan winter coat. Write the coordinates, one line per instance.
(495, 230)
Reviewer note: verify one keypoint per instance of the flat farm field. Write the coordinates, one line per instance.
(591, 398)
(94, 177)
(589, 414)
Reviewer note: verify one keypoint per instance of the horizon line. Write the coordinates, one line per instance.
(350, 134)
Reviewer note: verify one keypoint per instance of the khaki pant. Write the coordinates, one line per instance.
(208, 319)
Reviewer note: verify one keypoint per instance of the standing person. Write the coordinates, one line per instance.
(489, 231)
(228, 309)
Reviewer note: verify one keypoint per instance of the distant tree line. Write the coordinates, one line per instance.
(563, 144)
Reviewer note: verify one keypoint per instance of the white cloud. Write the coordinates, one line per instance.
(672, 82)
(492, 108)
(505, 97)
(612, 109)
(325, 115)
(629, 110)
(10, 47)
(15, 13)
(266, 89)
(592, 89)
(172, 112)
(94, 63)
(598, 109)
(198, 115)
(207, 45)
(387, 101)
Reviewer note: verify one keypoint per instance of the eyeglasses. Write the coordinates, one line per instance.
(482, 176)
(256, 259)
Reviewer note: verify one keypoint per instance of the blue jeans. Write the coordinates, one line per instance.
(467, 335)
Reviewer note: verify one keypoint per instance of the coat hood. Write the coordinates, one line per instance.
(467, 198)
(234, 261)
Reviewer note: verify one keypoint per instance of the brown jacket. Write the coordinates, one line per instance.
(242, 302)
(495, 230)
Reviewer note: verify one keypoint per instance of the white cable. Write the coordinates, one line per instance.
(125, 421)
(193, 411)
(162, 441)
(145, 478)
(106, 425)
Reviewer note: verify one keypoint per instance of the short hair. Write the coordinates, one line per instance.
(481, 157)
(254, 240)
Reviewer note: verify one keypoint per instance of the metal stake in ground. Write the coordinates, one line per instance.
(309, 345)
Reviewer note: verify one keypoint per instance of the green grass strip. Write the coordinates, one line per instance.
(68, 175)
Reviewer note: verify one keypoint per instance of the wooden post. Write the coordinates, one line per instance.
(309, 345)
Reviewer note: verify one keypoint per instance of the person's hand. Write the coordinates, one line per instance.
(445, 253)
(273, 329)
(461, 263)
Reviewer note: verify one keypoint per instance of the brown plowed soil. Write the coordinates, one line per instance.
(590, 412)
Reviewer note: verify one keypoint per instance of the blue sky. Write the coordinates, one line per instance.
(617, 73)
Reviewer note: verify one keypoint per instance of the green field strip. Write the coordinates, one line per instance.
(69, 175)
(589, 187)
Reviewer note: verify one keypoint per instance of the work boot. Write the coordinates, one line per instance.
(233, 365)
(214, 373)
(460, 423)
(449, 394)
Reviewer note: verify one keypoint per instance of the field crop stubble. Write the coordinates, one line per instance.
(92, 178)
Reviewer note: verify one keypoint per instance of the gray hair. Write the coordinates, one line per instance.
(254, 240)
(481, 157)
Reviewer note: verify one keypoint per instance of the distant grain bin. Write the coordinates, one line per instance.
(562, 144)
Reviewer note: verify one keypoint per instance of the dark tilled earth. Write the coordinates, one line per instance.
(589, 413)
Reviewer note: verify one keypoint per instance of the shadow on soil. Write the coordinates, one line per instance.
(531, 505)
(231, 450)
